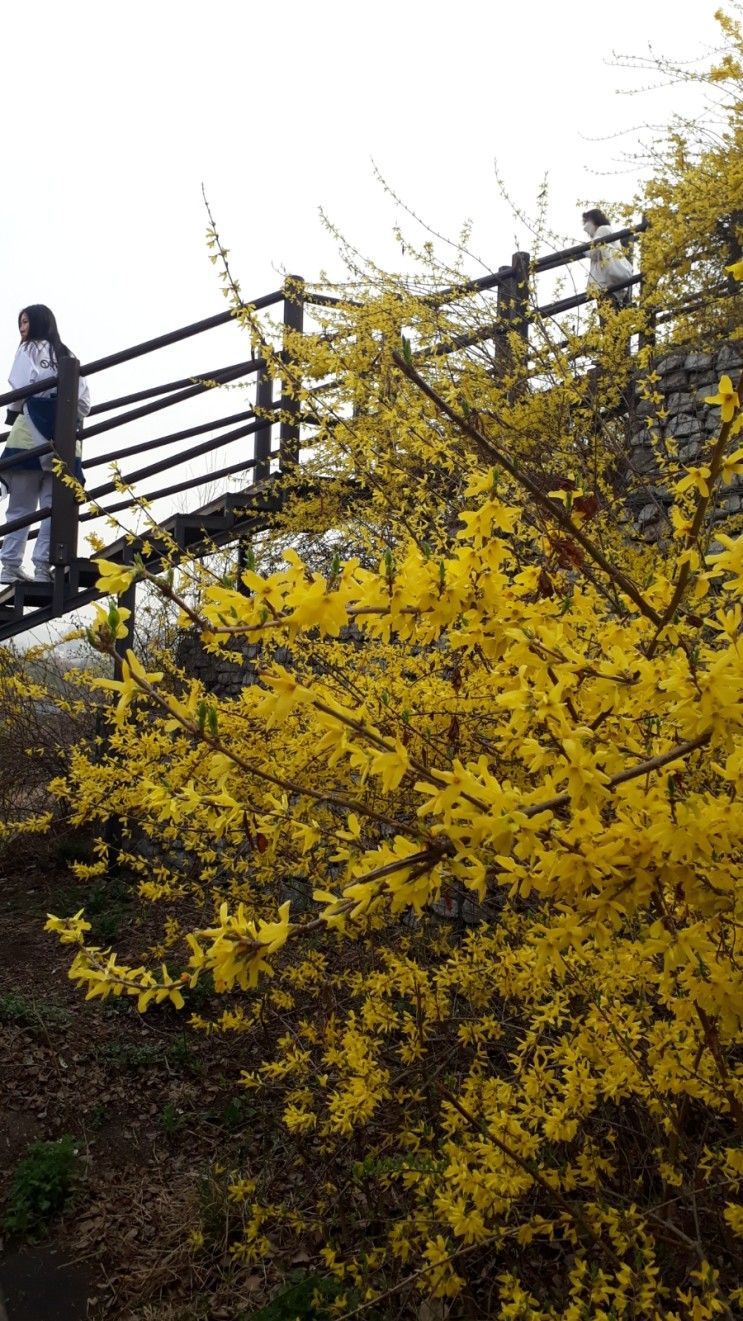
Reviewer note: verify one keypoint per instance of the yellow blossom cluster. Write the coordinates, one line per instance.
(471, 840)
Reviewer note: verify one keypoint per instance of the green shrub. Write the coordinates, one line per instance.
(304, 1300)
(42, 1185)
(17, 1008)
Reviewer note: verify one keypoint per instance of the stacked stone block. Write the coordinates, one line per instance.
(681, 426)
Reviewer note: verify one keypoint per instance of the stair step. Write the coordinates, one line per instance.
(83, 574)
(190, 529)
(223, 501)
(259, 499)
(33, 593)
(239, 500)
(226, 519)
(11, 600)
(213, 521)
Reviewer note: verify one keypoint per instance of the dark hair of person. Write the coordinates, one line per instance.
(598, 217)
(42, 324)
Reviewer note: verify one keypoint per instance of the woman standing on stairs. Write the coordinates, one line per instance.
(29, 483)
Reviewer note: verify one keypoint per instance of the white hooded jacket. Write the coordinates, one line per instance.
(609, 266)
(33, 362)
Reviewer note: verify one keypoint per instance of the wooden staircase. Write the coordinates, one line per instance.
(26, 605)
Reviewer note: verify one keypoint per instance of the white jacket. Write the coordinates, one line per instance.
(34, 362)
(609, 266)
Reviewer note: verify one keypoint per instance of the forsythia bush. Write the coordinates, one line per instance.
(478, 693)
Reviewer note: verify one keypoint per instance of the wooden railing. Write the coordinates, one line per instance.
(517, 309)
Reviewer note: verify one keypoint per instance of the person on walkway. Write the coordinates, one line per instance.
(29, 482)
(609, 264)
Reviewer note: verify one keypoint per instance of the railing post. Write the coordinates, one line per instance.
(290, 401)
(513, 294)
(646, 338)
(512, 309)
(504, 293)
(64, 515)
(127, 601)
(114, 828)
(521, 262)
(263, 407)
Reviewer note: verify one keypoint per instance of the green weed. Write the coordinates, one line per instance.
(171, 1120)
(304, 1300)
(181, 1054)
(130, 1056)
(17, 1008)
(42, 1185)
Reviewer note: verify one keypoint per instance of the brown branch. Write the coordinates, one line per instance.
(713, 1045)
(529, 1168)
(630, 772)
(489, 451)
(336, 800)
(416, 1275)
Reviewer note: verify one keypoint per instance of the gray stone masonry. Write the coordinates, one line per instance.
(682, 424)
(223, 677)
(227, 678)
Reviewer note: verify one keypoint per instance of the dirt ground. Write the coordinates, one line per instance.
(150, 1110)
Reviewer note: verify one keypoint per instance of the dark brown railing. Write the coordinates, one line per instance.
(515, 311)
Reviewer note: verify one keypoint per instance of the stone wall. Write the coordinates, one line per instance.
(227, 678)
(223, 677)
(679, 428)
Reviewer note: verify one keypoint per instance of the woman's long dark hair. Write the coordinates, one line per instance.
(42, 324)
(598, 217)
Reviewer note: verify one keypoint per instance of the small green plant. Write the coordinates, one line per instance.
(236, 1114)
(42, 1185)
(107, 894)
(130, 1056)
(220, 1217)
(199, 996)
(16, 1008)
(106, 926)
(304, 1300)
(107, 906)
(98, 1116)
(171, 1120)
(146, 1056)
(181, 1054)
(116, 1007)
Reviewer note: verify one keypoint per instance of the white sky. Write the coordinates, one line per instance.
(115, 114)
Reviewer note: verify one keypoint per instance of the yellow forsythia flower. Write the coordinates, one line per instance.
(726, 399)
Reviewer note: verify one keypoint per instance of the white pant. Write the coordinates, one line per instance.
(28, 490)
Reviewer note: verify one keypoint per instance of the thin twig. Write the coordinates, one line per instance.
(490, 452)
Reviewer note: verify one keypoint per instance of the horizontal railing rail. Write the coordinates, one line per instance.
(517, 309)
(225, 377)
(171, 438)
(17, 460)
(175, 460)
(186, 484)
(149, 346)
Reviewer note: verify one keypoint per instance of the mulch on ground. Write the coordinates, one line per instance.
(150, 1103)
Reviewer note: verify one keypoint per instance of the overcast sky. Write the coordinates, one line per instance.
(115, 114)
